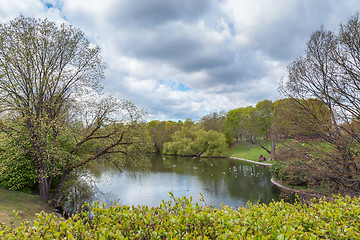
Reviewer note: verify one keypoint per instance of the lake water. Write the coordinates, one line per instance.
(220, 180)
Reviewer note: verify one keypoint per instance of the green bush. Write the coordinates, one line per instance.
(17, 170)
(182, 219)
(18, 173)
(277, 169)
(195, 141)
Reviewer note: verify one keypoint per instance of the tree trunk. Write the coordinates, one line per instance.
(274, 139)
(44, 188)
(58, 192)
(260, 145)
(273, 149)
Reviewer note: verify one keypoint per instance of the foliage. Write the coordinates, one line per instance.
(289, 167)
(18, 173)
(264, 117)
(17, 170)
(192, 140)
(50, 89)
(161, 132)
(180, 218)
(294, 121)
(213, 121)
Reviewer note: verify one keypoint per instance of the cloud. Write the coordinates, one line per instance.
(182, 58)
(30, 8)
(157, 12)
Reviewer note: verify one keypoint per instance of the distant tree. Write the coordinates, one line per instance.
(252, 124)
(49, 86)
(161, 132)
(264, 117)
(233, 125)
(296, 118)
(195, 141)
(213, 121)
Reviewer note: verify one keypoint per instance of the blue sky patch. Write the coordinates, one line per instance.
(175, 85)
(49, 5)
(231, 28)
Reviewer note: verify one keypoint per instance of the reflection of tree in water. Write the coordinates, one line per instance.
(242, 180)
(80, 188)
(216, 178)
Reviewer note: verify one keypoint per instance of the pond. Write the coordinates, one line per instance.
(219, 180)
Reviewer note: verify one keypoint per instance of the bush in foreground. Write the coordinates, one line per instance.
(182, 219)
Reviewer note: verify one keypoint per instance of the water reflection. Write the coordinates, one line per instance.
(220, 180)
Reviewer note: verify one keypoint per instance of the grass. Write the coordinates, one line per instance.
(249, 151)
(27, 205)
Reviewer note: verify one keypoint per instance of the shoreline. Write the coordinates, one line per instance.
(279, 185)
(251, 161)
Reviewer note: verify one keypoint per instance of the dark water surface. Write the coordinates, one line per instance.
(220, 180)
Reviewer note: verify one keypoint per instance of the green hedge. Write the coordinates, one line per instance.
(180, 218)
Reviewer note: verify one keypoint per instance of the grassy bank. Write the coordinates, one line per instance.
(249, 151)
(26, 204)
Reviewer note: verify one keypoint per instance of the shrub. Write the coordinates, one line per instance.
(17, 170)
(182, 219)
(18, 173)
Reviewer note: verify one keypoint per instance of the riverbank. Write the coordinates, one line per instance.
(251, 161)
(281, 186)
(27, 205)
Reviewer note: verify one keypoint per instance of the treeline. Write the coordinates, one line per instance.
(213, 133)
(188, 138)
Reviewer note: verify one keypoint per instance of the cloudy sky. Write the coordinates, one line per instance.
(183, 59)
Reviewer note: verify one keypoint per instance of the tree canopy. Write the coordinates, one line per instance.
(50, 92)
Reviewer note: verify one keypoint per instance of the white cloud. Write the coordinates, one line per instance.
(226, 54)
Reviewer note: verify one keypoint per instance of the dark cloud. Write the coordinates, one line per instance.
(185, 49)
(157, 12)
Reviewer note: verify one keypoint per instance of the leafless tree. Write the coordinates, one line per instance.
(330, 72)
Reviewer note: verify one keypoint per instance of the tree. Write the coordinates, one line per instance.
(330, 73)
(233, 126)
(192, 140)
(251, 123)
(49, 85)
(264, 111)
(161, 132)
(213, 121)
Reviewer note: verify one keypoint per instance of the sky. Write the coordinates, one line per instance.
(182, 59)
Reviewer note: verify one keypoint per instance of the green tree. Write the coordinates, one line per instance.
(233, 125)
(161, 132)
(264, 117)
(195, 141)
(49, 85)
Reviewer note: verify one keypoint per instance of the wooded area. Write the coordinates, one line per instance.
(54, 118)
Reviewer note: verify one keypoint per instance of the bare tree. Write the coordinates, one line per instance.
(330, 72)
(49, 86)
